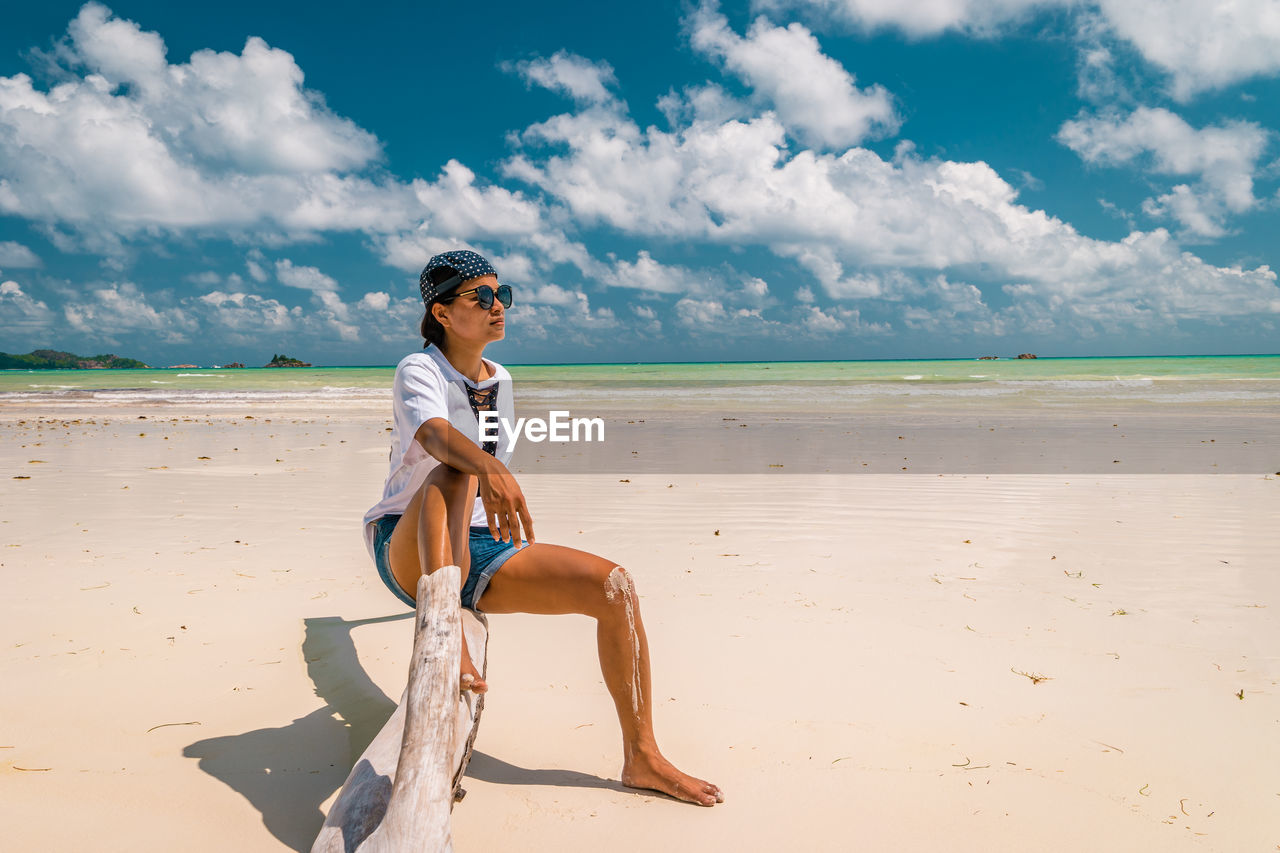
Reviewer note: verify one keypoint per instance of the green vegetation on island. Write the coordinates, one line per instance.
(286, 361)
(48, 359)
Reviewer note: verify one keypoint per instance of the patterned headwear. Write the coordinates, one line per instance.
(463, 266)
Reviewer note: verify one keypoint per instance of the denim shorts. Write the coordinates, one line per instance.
(487, 556)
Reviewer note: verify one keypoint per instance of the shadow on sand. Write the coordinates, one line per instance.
(288, 771)
(486, 768)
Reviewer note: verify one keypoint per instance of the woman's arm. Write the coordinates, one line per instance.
(504, 504)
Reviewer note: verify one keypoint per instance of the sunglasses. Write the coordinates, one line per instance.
(485, 295)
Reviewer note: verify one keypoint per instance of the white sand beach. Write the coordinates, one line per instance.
(198, 648)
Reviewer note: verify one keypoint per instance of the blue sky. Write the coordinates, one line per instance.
(783, 179)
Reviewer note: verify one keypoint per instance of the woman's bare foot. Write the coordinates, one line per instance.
(657, 774)
(470, 679)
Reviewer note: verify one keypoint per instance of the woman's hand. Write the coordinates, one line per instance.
(504, 505)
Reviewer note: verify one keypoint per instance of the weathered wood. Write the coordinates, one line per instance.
(399, 794)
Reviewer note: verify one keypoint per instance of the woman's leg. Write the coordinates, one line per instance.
(551, 579)
(433, 533)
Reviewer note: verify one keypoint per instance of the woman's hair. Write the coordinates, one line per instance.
(430, 328)
(432, 331)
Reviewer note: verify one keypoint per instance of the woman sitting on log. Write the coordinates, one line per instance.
(429, 518)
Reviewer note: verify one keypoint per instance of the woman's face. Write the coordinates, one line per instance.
(465, 319)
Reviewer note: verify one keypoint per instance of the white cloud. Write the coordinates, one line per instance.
(16, 255)
(649, 276)
(707, 102)
(110, 310)
(26, 319)
(573, 325)
(1201, 44)
(730, 308)
(248, 111)
(569, 74)
(911, 240)
(646, 322)
(458, 212)
(458, 208)
(813, 94)
(129, 143)
(253, 265)
(328, 309)
(866, 227)
(376, 301)
(918, 18)
(957, 308)
(247, 318)
(700, 313)
(304, 278)
(1223, 157)
(549, 294)
(337, 315)
(243, 314)
(830, 273)
(816, 320)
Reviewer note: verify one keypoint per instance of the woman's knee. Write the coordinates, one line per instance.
(614, 593)
(451, 483)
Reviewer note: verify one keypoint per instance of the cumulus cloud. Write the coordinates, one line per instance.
(26, 319)
(375, 301)
(550, 294)
(1222, 157)
(129, 143)
(569, 74)
(459, 211)
(918, 18)
(328, 307)
(864, 226)
(649, 276)
(576, 325)
(304, 278)
(865, 240)
(253, 264)
(816, 320)
(1200, 44)
(246, 314)
(113, 309)
(17, 256)
(813, 94)
(247, 318)
(457, 207)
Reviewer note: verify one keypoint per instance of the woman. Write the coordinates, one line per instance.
(429, 517)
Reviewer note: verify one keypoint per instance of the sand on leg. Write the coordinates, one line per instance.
(554, 580)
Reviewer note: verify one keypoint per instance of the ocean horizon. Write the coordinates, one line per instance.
(1239, 381)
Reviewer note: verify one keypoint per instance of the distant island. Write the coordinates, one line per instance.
(48, 359)
(285, 361)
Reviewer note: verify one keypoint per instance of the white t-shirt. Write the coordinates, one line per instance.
(427, 386)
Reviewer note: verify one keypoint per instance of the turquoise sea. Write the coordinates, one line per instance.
(1240, 378)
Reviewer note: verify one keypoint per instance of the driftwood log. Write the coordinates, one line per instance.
(399, 794)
